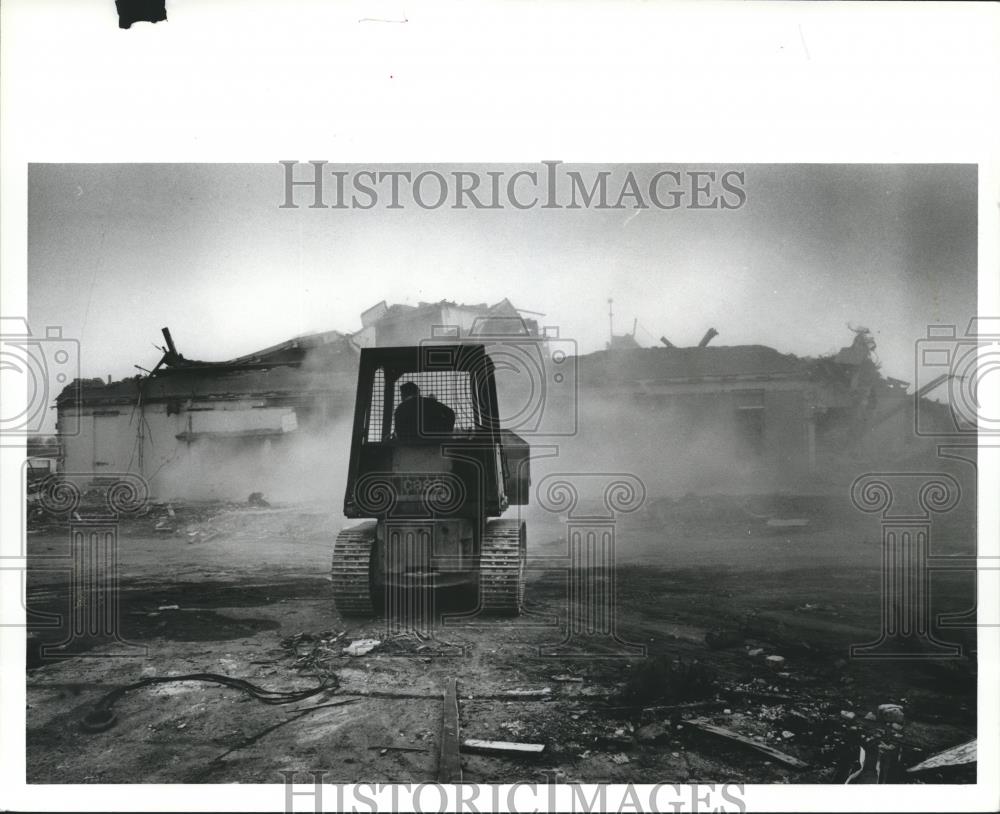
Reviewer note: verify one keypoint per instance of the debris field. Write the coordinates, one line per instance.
(731, 663)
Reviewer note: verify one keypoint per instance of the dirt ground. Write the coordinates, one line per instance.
(705, 591)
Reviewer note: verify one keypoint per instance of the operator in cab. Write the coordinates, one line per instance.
(421, 416)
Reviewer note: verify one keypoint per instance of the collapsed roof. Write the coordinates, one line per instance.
(303, 366)
(685, 364)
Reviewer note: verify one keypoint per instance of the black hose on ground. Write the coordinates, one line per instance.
(102, 717)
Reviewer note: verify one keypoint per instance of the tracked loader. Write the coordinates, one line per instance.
(431, 472)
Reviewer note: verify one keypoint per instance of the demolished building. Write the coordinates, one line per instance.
(783, 413)
(224, 429)
(402, 325)
(169, 427)
(216, 429)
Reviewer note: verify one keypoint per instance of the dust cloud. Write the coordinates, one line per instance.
(670, 450)
(695, 446)
(308, 465)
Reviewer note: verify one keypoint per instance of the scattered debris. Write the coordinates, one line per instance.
(794, 522)
(856, 773)
(956, 756)
(671, 707)
(264, 732)
(502, 747)
(450, 763)
(620, 759)
(34, 651)
(870, 717)
(567, 678)
(652, 733)
(890, 713)
(398, 695)
(664, 679)
(339, 703)
(721, 639)
(201, 536)
(100, 716)
(522, 694)
(846, 713)
(729, 735)
(312, 653)
(809, 607)
(543, 694)
(754, 652)
(361, 647)
(512, 726)
(876, 764)
(383, 749)
(886, 765)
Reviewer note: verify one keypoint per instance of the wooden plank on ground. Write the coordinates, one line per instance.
(450, 764)
(735, 737)
(502, 747)
(956, 756)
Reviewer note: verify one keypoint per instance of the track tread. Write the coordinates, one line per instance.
(501, 567)
(350, 571)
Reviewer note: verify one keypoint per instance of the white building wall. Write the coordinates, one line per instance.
(205, 462)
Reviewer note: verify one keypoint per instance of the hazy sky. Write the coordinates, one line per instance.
(118, 251)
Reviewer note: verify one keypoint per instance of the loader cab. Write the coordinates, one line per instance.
(401, 447)
(431, 479)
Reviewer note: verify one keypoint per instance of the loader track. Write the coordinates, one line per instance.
(350, 572)
(501, 567)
